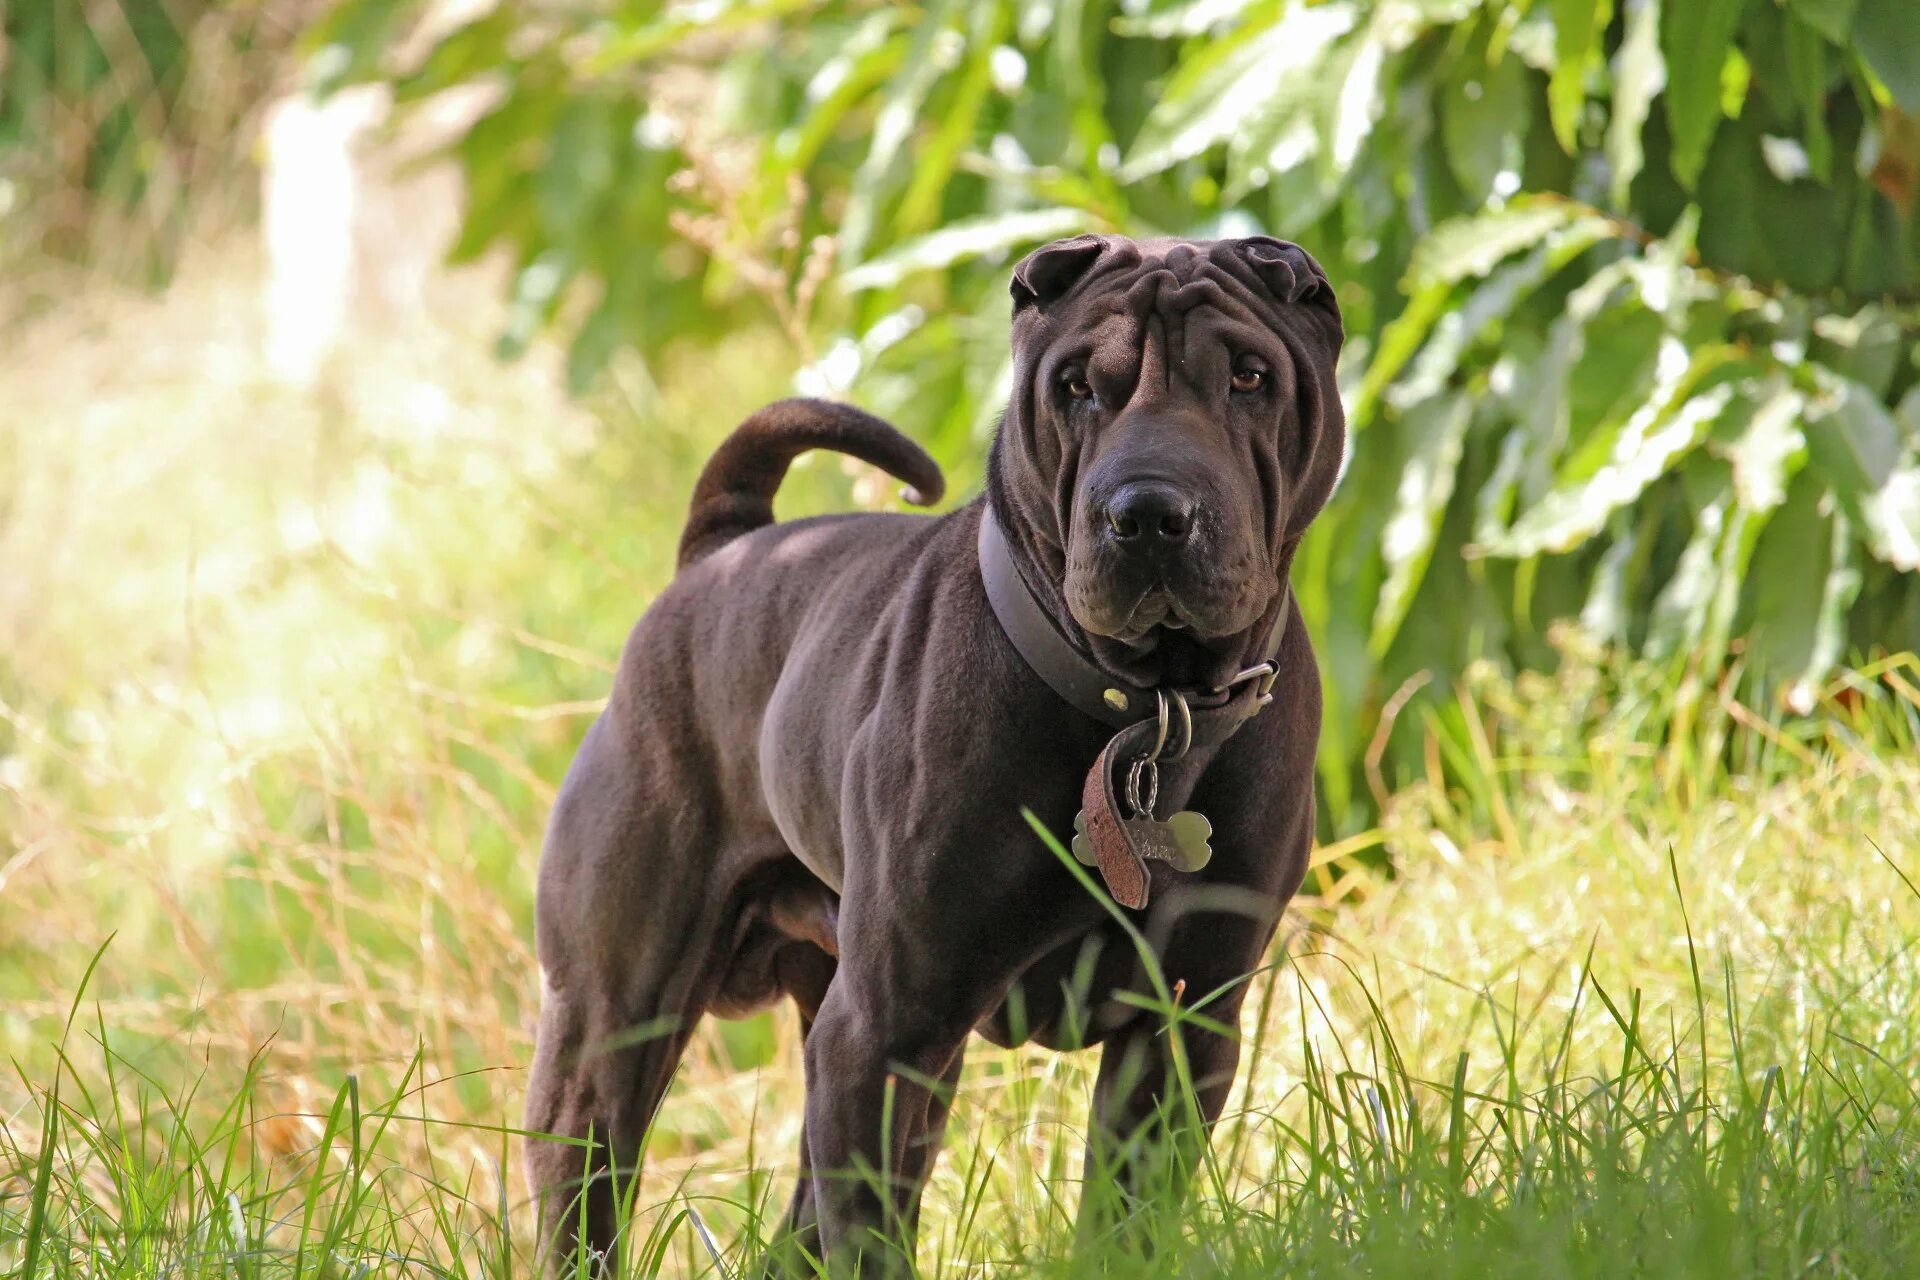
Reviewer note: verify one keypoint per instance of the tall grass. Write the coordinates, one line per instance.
(1649, 1039)
(288, 680)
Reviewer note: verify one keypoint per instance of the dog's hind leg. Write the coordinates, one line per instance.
(629, 941)
(804, 974)
(598, 1078)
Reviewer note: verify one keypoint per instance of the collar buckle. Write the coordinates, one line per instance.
(1262, 675)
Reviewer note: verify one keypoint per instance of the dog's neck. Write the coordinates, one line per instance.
(1162, 658)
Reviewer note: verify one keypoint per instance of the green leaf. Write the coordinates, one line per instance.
(1831, 18)
(957, 120)
(1694, 612)
(1578, 26)
(961, 241)
(1191, 18)
(1277, 145)
(1211, 95)
(1809, 71)
(1768, 450)
(1398, 342)
(1886, 33)
(1679, 615)
(620, 318)
(750, 1043)
(574, 182)
(1793, 555)
(1639, 74)
(1891, 515)
(1866, 347)
(1837, 594)
(866, 59)
(1076, 65)
(348, 42)
(1487, 305)
(1454, 252)
(926, 62)
(1696, 38)
(1546, 416)
(1736, 79)
(1493, 505)
(1358, 102)
(1472, 246)
(1654, 437)
(467, 53)
(1838, 590)
(1608, 613)
(1483, 121)
(686, 23)
(1438, 429)
(537, 288)
(1851, 437)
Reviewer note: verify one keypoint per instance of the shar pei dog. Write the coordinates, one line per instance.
(828, 743)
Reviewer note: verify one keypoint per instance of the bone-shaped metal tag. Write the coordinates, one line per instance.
(1181, 841)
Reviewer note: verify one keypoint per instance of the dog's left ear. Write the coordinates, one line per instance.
(1294, 278)
(1051, 270)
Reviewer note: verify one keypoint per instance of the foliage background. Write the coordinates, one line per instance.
(1616, 980)
(1631, 288)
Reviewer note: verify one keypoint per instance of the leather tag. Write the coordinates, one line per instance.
(1120, 866)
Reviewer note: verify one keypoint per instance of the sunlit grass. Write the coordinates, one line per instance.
(289, 681)
(1649, 1040)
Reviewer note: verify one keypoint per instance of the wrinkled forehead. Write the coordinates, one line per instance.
(1175, 280)
(1181, 289)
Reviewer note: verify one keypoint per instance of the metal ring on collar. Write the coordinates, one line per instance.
(1185, 739)
(1160, 738)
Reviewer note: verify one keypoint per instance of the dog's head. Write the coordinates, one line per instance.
(1173, 429)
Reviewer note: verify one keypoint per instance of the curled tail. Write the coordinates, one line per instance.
(735, 492)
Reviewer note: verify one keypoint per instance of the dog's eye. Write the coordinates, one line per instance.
(1077, 385)
(1249, 379)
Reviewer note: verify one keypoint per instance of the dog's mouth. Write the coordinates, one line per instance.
(1156, 609)
(1138, 616)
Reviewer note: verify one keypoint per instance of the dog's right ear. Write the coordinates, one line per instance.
(1052, 269)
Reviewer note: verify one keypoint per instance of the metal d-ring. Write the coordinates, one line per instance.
(1186, 726)
(1160, 738)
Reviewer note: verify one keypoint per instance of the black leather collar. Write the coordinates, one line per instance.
(1082, 684)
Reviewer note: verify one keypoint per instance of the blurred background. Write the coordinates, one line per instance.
(356, 357)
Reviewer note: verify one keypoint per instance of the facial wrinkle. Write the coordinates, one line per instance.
(1160, 300)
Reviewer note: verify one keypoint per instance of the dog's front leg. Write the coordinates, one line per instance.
(930, 939)
(1149, 1127)
(1153, 1112)
(879, 1075)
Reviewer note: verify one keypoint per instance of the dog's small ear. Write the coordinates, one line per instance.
(1293, 276)
(1051, 270)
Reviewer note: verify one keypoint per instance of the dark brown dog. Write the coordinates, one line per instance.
(810, 776)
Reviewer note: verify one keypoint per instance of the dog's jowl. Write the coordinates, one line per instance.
(810, 777)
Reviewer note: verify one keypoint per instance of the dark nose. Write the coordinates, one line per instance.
(1148, 513)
